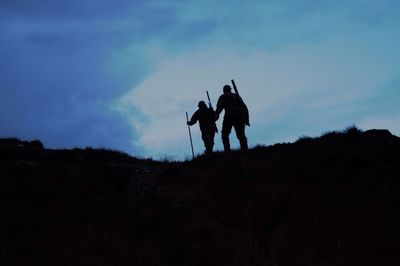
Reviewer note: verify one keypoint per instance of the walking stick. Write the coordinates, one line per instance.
(190, 135)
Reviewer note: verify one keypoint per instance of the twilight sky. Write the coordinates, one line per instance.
(121, 74)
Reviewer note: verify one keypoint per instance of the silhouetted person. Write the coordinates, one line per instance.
(236, 115)
(206, 117)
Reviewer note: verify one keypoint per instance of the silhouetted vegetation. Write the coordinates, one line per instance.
(15, 141)
(329, 200)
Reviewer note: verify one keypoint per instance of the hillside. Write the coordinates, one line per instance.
(331, 200)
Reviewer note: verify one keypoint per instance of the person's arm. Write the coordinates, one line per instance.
(194, 119)
(220, 106)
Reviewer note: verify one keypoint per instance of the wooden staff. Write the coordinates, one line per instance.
(190, 135)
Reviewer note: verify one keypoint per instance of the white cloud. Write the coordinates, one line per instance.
(312, 68)
(299, 80)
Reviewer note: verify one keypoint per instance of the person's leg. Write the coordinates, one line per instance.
(212, 135)
(208, 139)
(241, 135)
(226, 130)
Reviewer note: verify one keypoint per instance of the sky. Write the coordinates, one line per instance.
(121, 74)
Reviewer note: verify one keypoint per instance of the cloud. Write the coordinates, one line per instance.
(57, 79)
(77, 123)
(303, 89)
(66, 9)
(131, 70)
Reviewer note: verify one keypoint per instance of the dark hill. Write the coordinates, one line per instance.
(331, 200)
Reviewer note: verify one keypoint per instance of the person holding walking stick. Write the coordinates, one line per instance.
(206, 117)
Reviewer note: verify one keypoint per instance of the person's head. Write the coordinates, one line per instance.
(202, 104)
(227, 89)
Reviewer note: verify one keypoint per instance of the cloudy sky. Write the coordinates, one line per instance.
(122, 74)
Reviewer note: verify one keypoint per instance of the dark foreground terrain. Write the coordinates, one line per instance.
(332, 200)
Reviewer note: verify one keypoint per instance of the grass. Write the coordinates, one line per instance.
(331, 200)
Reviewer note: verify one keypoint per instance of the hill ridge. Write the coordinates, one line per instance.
(329, 200)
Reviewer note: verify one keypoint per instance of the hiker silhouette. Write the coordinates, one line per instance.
(206, 117)
(236, 116)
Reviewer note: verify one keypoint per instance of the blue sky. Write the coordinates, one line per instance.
(122, 74)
